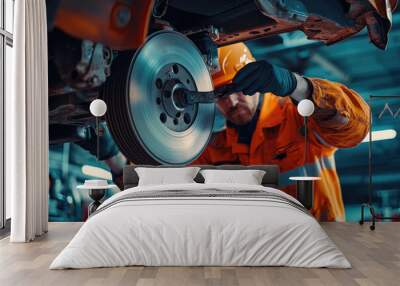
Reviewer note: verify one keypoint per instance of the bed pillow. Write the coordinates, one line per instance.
(248, 177)
(164, 176)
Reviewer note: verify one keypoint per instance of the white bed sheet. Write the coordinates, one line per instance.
(200, 231)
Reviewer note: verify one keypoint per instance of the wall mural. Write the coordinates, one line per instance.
(176, 99)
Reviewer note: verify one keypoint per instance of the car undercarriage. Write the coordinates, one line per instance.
(135, 55)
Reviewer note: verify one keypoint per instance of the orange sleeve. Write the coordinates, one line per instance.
(341, 117)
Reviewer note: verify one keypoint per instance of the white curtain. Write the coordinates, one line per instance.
(27, 124)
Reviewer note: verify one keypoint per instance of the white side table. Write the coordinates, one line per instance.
(305, 190)
(97, 190)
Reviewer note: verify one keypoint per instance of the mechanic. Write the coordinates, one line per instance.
(265, 128)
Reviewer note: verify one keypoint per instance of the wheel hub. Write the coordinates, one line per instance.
(172, 113)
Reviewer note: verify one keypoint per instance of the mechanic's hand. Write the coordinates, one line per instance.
(261, 76)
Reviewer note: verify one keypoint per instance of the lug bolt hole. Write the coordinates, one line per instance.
(167, 94)
(175, 121)
(158, 100)
(187, 81)
(186, 118)
(175, 68)
(163, 117)
(159, 83)
(178, 114)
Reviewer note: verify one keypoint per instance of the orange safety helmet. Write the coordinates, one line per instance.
(231, 59)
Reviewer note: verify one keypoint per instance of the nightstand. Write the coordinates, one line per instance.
(305, 190)
(97, 190)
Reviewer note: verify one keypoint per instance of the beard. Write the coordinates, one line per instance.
(241, 114)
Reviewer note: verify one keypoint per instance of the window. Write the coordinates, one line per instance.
(6, 43)
(7, 89)
(9, 13)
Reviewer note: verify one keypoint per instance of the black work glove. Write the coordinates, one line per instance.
(261, 76)
(107, 149)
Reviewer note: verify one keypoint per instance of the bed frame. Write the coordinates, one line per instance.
(270, 179)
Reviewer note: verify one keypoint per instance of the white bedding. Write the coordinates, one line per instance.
(183, 231)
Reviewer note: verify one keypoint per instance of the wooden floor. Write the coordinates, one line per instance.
(375, 257)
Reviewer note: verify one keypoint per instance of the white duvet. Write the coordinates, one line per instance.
(200, 231)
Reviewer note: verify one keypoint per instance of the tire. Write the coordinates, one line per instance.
(114, 93)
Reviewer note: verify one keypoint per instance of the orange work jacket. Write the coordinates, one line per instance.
(341, 120)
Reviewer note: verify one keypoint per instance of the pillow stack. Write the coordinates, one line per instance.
(186, 175)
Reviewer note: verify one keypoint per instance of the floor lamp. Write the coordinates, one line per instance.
(369, 204)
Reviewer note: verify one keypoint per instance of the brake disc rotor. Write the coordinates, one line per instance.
(165, 132)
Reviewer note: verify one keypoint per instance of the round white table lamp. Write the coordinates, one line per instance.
(305, 185)
(98, 108)
(305, 108)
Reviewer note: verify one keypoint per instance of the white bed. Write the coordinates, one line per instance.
(224, 225)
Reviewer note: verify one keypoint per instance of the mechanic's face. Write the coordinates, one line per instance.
(238, 108)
